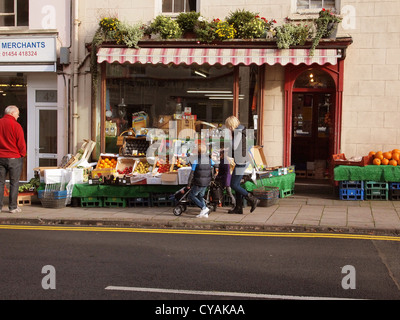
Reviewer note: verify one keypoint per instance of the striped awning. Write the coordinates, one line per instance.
(221, 56)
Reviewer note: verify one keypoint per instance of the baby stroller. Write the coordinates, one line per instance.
(182, 201)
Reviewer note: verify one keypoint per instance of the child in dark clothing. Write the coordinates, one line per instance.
(224, 176)
(199, 179)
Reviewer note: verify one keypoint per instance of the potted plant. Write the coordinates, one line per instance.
(256, 28)
(291, 35)
(205, 30)
(326, 26)
(166, 27)
(225, 31)
(128, 34)
(238, 19)
(187, 21)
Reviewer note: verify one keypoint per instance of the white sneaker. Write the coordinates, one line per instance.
(17, 210)
(203, 213)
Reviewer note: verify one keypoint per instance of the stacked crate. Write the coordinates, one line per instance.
(375, 190)
(351, 190)
(394, 190)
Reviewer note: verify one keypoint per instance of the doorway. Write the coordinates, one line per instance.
(313, 111)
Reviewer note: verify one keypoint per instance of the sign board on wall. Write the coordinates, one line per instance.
(28, 50)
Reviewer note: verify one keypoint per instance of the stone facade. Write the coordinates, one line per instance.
(371, 101)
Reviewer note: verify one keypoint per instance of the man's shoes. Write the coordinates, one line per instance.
(16, 210)
(203, 213)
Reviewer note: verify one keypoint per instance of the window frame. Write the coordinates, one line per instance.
(173, 14)
(314, 11)
(15, 15)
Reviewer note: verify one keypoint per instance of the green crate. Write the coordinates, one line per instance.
(376, 194)
(114, 202)
(91, 202)
(286, 193)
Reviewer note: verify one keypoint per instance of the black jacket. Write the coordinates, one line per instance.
(202, 175)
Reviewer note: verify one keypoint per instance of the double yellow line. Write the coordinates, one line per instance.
(204, 232)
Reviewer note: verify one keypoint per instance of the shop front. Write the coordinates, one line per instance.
(208, 83)
(28, 79)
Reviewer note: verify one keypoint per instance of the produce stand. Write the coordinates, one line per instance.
(370, 172)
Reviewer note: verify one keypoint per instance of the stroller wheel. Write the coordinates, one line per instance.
(178, 210)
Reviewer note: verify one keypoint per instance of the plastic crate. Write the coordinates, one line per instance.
(352, 184)
(394, 185)
(286, 193)
(91, 202)
(351, 194)
(162, 200)
(138, 202)
(375, 185)
(377, 194)
(394, 194)
(114, 202)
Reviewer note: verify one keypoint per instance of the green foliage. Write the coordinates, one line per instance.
(187, 20)
(291, 35)
(325, 24)
(166, 27)
(129, 35)
(205, 30)
(225, 31)
(238, 19)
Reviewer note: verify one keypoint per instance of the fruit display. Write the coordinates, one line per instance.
(142, 167)
(107, 163)
(126, 170)
(391, 158)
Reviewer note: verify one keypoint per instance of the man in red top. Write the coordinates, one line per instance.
(12, 151)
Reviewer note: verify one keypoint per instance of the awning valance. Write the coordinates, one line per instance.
(223, 56)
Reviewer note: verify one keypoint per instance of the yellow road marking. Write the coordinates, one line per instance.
(205, 232)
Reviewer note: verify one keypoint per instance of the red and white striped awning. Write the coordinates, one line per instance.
(221, 56)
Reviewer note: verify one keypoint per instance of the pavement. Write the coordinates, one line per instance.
(313, 208)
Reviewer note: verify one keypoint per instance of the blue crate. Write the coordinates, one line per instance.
(351, 194)
(394, 185)
(53, 194)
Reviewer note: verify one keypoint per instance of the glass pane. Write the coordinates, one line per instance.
(167, 6)
(303, 4)
(329, 4)
(47, 162)
(324, 115)
(313, 78)
(302, 114)
(13, 91)
(203, 92)
(7, 21)
(23, 13)
(6, 6)
(48, 131)
(315, 4)
(249, 88)
(191, 5)
(46, 96)
(179, 6)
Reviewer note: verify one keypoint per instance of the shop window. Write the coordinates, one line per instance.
(14, 13)
(177, 6)
(249, 92)
(164, 92)
(316, 5)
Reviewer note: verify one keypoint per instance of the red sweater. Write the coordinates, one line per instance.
(12, 141)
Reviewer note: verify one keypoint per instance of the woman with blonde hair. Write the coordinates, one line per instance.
(240, 156)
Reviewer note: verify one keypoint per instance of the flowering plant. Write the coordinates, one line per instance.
(166, 27)
(256, 28)
(205, 30)
(109, 24)
(224, 30)
(325, 24)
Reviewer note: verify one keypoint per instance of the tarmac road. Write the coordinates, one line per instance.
(105, 263)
